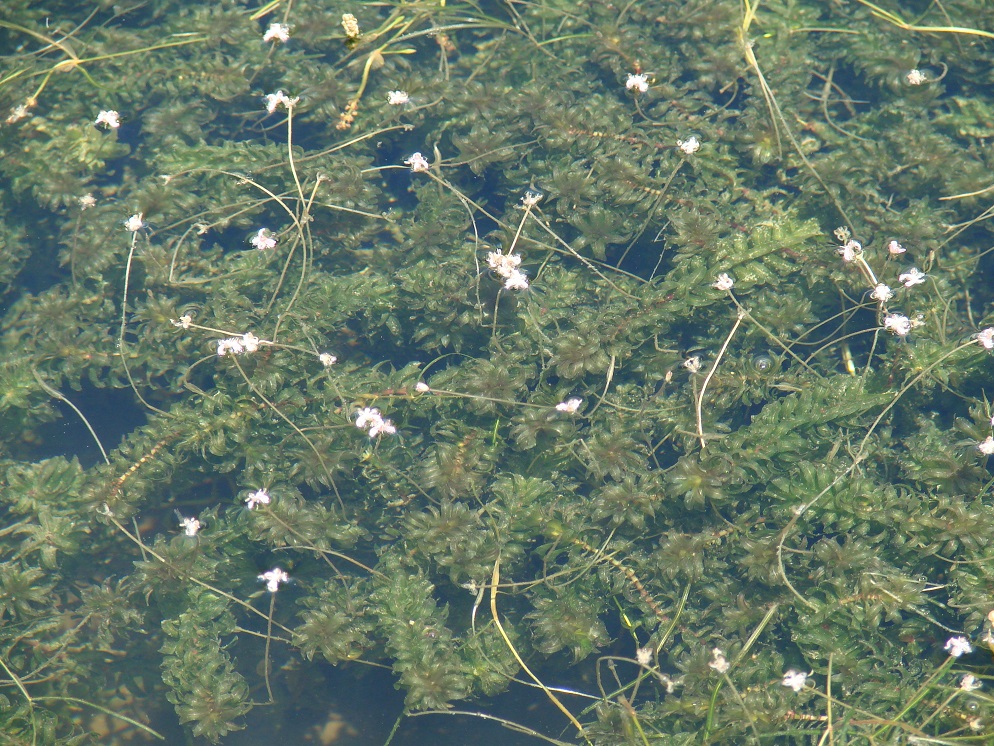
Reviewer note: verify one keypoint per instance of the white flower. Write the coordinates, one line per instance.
(724, 282)
(794, 680)
(689, 146)
(916, 77)
(570, 406)
(532, 197)
(87, 201)
(397, 98)
(638, 83)
(898, 323)
(882, 293)
(517, 280)
(263, 240)
(110, 118)
(190, 526)
(370, 419)
(18, 113)
(327, 359)
(382, 427)
(277, 32)
(987, 446)
(273, 578)
(351, 26)
(986, 339)
(231, 344)
(970, 683)
(257, 498)
(273, 100)
(365, 416)
(850, 250)
(503, 264)
(912, 277)
(418, 163)
(184, 321)
(693, 364)
(894, 248)
(422, 388)
(957, 646)
(644, 656)
(135, 222)
(250, 342)
(718, 661)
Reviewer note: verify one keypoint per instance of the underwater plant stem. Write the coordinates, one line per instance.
(917, 696)
(710, 375)
(494, 582)
(105, 711)
(121, 345)
(509, 724)
(269, 639)
(31, 702)
(61, 397)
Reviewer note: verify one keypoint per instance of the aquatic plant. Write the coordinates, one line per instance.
(482, 340)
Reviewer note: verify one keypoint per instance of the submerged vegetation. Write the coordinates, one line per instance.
(487, 340)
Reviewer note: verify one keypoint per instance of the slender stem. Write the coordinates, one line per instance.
(710, 375)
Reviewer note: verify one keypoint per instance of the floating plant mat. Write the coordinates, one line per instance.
(587, 372)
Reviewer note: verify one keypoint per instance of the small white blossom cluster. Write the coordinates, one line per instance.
(970, 683)
(278, 32)
(912, 277)
(532, 197)
(418, 163)
(897, 323)
(689, 146)
(109, 118)
(351, 26)
(794, 680)
(257, 498)
(570, 406)
(850, 250)
(637, 82)
(18, 113)
(957, 646)
(397, 98)
(718, 661)
(274, 100)
(135, 222)
(273, 578)
(190, 526)
(916, 77)
(506, 266)
(327, 359)
(986, 338)
(263, 240)
(724, 282)
(986, 447)
(370, 419)
(882, 293)
(237, 345)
